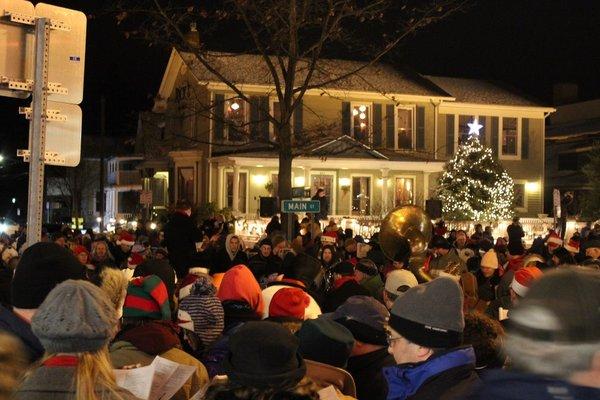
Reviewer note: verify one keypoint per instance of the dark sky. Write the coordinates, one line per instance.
(529, 44)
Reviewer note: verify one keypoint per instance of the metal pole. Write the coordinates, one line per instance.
(102, 139)
(37, 133)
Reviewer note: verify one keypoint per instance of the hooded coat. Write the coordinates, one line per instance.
(225, 258)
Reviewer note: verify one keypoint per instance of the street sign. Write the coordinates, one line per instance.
(146, 197)
(63, 135)
(66, 57)
(306, 206)
(16, 46)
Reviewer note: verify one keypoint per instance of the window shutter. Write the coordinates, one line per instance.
(390, 126)
(264, 117)
(495, 127)
(482, 130)
(255, 117)
(218, 112)
(377, 132)
(298, 122)
(525, 138)
(449, 134)
(346, 118)
(420, 128)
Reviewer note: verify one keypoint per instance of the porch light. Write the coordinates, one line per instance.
(299, 181)
(362, 108)
(259, 179)
(532, 187)
(344, 182)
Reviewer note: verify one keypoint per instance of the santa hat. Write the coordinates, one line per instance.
(126, 238)
(289, 303)
(554, 239)
(572, 245)
(134, 260)
(523, 280)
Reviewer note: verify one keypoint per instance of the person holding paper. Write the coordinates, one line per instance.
(148, 332)
(74, 324)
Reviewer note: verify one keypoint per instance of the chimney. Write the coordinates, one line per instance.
(565, 93)
(193, 37)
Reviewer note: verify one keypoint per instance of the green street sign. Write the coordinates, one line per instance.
(306, 206)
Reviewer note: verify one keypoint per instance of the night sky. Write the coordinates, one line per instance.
(528, 44)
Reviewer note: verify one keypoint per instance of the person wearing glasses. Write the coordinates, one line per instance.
(424, 336)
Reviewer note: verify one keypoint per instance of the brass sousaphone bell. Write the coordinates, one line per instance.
(406, 231)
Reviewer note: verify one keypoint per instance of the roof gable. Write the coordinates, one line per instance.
(347, 147)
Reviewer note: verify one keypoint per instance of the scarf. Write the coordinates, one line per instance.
(153, 338)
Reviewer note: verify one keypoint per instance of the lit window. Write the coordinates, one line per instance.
(236, 119)
(405, 191)
(404, 125)
(361, 195)
(509, 139)
(361, 122)
(463, 127)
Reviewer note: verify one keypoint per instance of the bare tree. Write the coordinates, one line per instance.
(293, 38)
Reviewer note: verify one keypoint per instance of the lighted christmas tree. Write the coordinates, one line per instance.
(474, 185)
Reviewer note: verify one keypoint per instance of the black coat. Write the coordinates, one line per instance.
(366, 371)
(322, 215)
(264, 266)
(181, 236)
(515, 233)
(337, 297)
(452, 384)
(222, 262)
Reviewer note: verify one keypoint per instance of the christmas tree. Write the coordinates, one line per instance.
(474, 185)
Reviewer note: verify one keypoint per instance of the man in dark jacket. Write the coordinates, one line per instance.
(324, 203)
(181, 236)
(553, 341)
(425, 334)
(345, 285)
(365, 318)
(264, 263)
(43, 266)
(515, 231)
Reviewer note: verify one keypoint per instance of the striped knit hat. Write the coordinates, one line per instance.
(147, 298)
(201, 311)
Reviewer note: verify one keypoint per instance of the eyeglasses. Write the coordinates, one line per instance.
(391, 339)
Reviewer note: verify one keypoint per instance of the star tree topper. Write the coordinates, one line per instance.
(474, 127)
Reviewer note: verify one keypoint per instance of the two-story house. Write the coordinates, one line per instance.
(379, 139)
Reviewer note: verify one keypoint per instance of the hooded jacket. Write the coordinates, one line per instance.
(225, 258)
(447, 376)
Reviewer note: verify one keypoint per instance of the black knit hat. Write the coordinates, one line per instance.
(325, 341)
(365, 317)
(440, 242)
(42, 266)
(303, 268)
(430, 314)
(264, 354)
(345, 268)
(367, 266)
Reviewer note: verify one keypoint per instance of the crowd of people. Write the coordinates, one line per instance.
(325, 315)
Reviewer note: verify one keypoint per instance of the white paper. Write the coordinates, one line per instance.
(328, 393)
(157, 381)
(138, 380)
(503, 314)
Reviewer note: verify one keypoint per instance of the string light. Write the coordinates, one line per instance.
(474, 186)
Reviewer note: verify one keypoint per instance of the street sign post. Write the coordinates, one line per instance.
(300, 206)
(42, 51)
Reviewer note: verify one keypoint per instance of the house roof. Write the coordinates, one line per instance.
(251, 69)
(588, 127)
(347, 147)
(480, 91)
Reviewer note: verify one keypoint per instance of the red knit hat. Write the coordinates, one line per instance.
(126, 238)
(134, 260)
(523, 280)
(289, 302)
(554, 239)
(572, 245)
(80, 249)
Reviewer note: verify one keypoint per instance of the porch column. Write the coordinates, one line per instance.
(384, 190)
(236, 189)
(425, 187)
(221, 185)
(307, 183)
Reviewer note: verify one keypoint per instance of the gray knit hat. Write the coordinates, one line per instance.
(75, 317)
(430, 314)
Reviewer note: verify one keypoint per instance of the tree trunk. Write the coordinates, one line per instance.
(285, 175)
